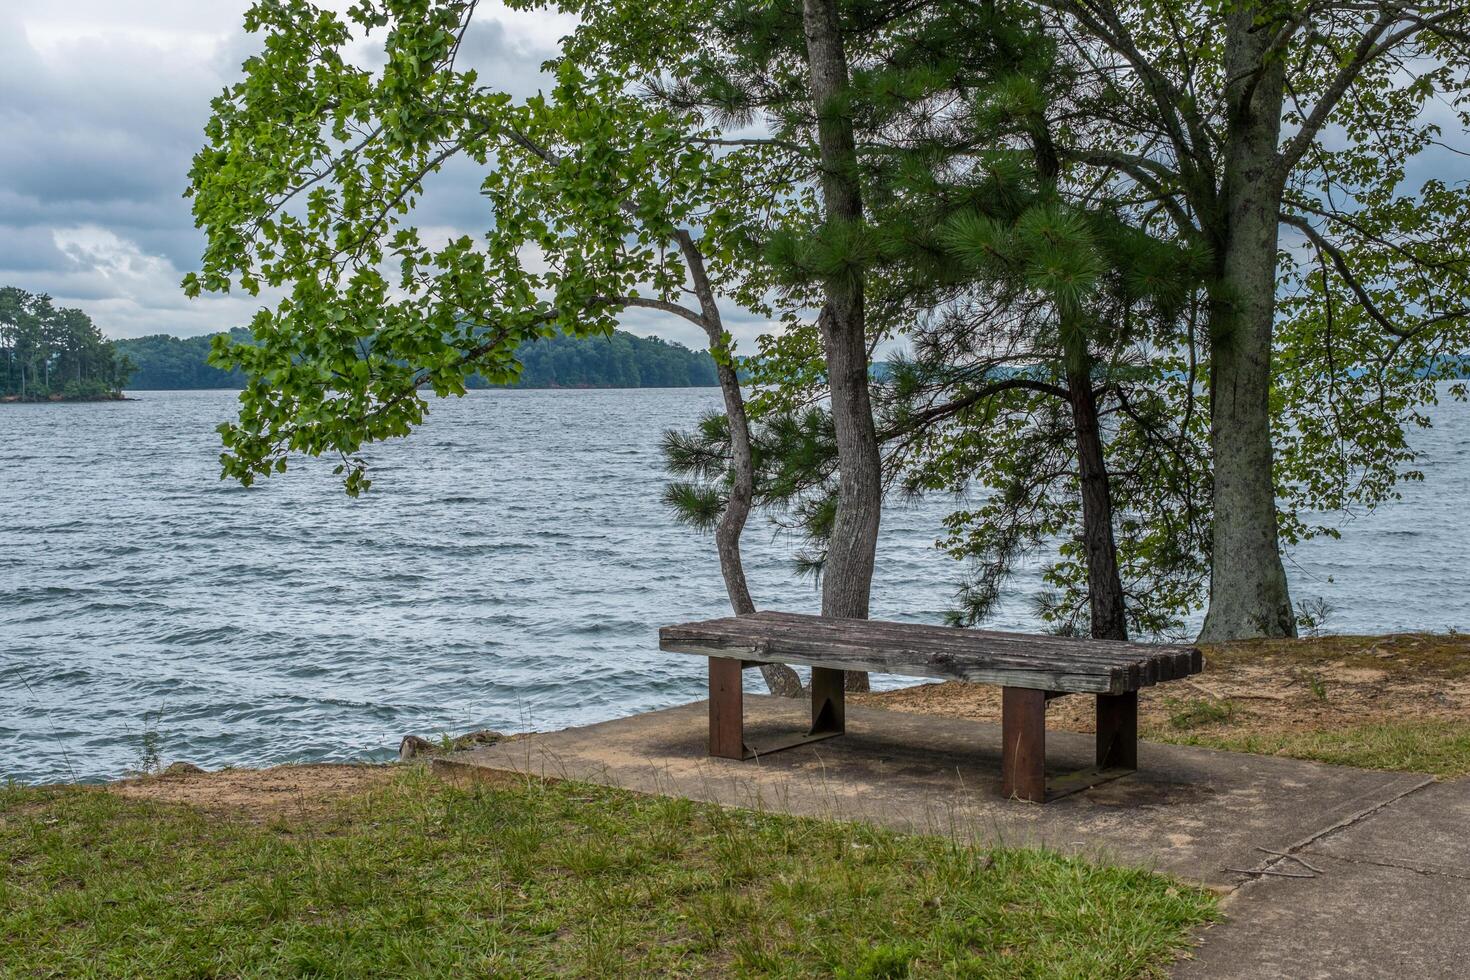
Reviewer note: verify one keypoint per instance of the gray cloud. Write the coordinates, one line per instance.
(102, 107)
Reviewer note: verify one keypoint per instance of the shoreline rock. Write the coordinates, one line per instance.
(415, 747)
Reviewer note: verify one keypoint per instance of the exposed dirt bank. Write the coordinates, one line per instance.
(258, 794)
(1261, 687)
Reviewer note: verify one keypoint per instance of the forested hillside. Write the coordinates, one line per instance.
(619, 361)
(163, 363)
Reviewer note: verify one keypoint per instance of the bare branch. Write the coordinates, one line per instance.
(1350, 279)
(650, 303)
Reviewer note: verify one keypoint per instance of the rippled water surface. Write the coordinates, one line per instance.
(508, 570)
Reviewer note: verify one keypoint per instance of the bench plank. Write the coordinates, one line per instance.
(942, 652)
(961, 640)
(1146, 659)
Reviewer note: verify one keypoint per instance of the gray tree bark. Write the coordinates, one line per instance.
(780, 679)
(847, 575)
(1248, 590)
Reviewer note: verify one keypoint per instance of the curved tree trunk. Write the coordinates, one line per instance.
(847, 575)
(780, 679)
(1248, 590)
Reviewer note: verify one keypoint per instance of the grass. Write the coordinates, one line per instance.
(1438, 747)
(422, 878)
(1189, 713)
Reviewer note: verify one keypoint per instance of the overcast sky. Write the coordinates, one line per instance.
(102, 107)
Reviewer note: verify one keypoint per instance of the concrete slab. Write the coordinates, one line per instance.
(1189, 812)
(1355, 921)
(1428, 832)
(1391, 898)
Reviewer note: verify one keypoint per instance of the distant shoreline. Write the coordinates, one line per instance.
(116, 396)
(474, 388)
(128, 394)
(617, 360)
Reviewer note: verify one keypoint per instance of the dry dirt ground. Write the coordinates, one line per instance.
(1260, 688)
(258, 794)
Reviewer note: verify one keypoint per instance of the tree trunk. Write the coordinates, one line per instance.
(1248, 590)
(1104, 584)
(847, 575)
(780, 679)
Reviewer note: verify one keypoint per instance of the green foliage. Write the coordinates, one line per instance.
(50, 353)
(309, 183)
(703, 453)
(697, 505)
(1374, 267)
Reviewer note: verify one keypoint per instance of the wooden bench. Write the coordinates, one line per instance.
(1031, 670)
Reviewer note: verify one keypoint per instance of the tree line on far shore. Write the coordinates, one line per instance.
(50, 353)
(620, 360)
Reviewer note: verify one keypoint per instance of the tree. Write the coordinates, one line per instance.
(52, 353)
(309, 183)
(847, 574)
(1030, 299)
(727, 64)
(1239, 120)
(1058, 331)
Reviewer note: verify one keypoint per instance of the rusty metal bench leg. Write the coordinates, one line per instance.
(829, 712)
(726, 709)
(1117, 731)
(1023, 744)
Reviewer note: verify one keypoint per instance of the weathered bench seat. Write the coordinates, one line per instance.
(1030, 669)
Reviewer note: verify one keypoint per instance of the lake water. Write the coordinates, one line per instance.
(508, 570)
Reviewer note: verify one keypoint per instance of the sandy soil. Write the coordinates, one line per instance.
(1260, 687)
(258, 794)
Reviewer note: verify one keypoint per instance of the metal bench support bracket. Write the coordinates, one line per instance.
(727, 711)
(1023, 745)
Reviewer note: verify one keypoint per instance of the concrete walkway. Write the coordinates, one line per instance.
(1387, 893)
(1194, 813)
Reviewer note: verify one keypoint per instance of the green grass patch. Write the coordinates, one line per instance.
(1441, 748)
(421, 878)
(1188, 713)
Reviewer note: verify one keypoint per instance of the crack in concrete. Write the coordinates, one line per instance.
(1351, 820)
(1354, 819)
(1385, 863)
